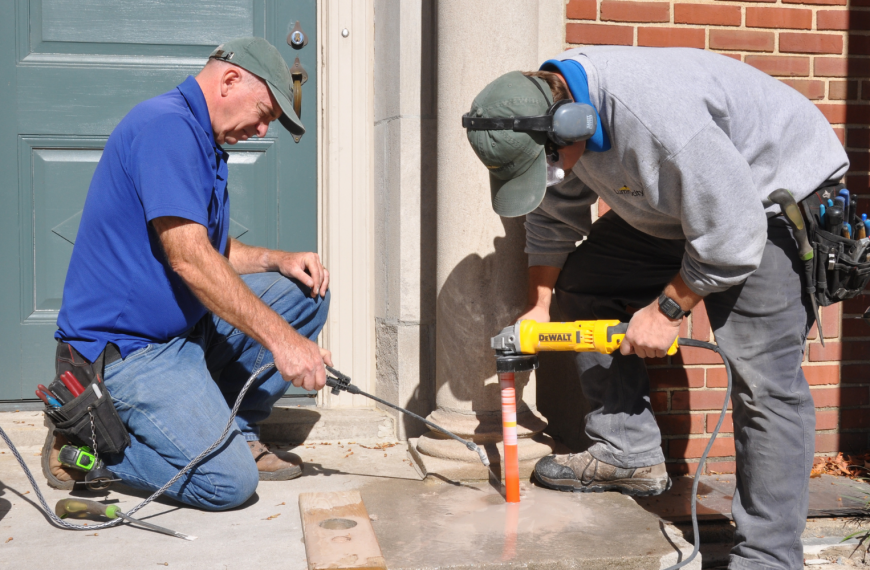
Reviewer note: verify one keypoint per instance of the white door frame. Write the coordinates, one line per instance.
(345, 60)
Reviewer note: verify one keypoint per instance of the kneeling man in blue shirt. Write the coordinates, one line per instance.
(180, 313)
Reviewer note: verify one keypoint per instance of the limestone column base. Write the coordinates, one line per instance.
(454, 461)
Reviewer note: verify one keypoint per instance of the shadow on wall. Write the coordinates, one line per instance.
(481, 296)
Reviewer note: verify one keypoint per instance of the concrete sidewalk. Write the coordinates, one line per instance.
(427, 524)
(419, 524)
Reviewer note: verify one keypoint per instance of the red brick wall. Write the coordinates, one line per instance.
(822, 49)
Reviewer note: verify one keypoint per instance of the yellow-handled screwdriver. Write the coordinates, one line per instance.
(78, 508)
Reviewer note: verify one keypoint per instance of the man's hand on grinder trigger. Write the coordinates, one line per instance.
(300, 362)
(307, 269)
(650, 333)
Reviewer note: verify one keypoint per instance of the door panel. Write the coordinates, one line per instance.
(142, 22)
(76, 67)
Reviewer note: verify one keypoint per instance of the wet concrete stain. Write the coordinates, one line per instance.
(471, 526)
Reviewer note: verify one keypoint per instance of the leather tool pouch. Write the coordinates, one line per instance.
(90, 418)
(842, 269)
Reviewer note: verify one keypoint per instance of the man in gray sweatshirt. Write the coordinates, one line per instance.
(689, 145)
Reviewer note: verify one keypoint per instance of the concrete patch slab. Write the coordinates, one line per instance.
(434, 524)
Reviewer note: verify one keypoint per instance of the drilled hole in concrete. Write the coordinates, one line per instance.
(337, 524)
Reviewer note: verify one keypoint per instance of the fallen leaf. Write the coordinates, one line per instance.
(279, 504)
(272, 517)
(8, 539)
(380, 446)
(841, 465)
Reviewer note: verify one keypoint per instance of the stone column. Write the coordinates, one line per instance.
(480, 264)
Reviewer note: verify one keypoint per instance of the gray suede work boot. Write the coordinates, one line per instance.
(582, 473)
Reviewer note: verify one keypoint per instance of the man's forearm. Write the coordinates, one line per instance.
(542, 279)
(680, 292)
(249, 259)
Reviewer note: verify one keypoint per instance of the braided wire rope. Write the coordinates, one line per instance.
(57, 521)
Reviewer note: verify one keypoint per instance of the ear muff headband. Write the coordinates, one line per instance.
(566, 122)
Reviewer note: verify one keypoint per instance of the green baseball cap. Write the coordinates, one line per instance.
(263, 60)
(516, 160)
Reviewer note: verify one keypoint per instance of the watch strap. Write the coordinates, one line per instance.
(671, 308)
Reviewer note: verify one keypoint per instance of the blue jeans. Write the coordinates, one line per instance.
(175, 399)
(761, 325)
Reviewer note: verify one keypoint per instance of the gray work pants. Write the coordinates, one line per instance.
(761, 325)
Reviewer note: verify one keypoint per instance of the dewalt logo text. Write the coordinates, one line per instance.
(555, 337)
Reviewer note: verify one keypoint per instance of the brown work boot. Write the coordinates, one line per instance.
(280, 466)
(58, 476)
(582, 473)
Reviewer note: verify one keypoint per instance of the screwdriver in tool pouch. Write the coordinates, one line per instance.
(834, 216)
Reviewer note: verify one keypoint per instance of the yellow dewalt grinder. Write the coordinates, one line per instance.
(517, 346)
(531, 337)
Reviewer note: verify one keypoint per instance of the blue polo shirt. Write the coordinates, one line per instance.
(161, 160)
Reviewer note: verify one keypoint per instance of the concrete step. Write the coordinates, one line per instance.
(287, 424)
(299, 424)
(24, 428)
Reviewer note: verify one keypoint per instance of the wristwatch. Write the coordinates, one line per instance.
(671, 308)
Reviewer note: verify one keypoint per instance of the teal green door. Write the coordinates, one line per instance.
(71, 70)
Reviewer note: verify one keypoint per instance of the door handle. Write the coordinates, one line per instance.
(299, 76)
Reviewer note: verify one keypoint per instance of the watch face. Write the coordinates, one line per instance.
(670, 307)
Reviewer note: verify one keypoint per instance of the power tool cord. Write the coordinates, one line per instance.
(72, 526)
(697, 539)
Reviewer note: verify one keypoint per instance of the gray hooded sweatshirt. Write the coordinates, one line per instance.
(699, 141)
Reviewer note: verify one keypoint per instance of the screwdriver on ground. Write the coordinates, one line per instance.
(80, 507)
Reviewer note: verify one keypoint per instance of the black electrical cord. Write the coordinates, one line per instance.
(697, 539)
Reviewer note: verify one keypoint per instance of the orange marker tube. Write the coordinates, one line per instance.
(509, 434)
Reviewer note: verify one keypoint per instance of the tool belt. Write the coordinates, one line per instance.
(89, 418)
(841, 269)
